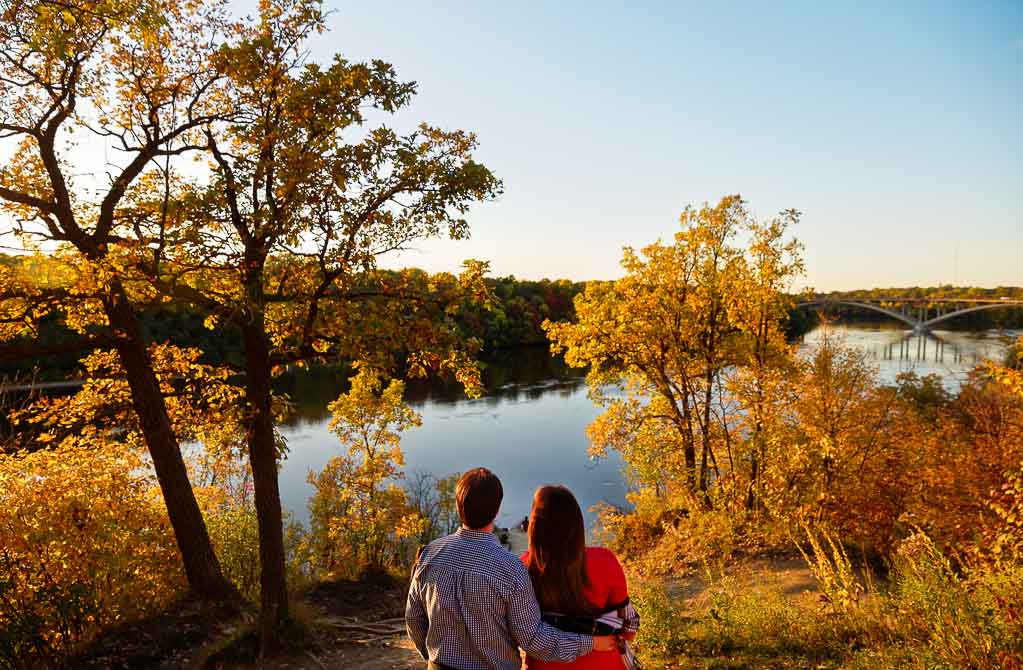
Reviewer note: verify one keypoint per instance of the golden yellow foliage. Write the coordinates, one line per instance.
(359, 515)
(687, 316)
(84, 543)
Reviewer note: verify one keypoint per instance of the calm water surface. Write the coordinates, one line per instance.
(948, 354)
(530, 428)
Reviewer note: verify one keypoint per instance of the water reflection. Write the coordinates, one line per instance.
(949, 354)
(530, 428)
(526, 374)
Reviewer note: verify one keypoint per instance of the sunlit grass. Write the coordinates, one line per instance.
(925, 617)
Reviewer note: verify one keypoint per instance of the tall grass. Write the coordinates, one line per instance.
(927, 616)
(829, 562)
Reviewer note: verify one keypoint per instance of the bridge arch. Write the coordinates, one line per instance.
(908, 320)
(930, 323)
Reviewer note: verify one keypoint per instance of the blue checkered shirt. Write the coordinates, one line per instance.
(471, 605)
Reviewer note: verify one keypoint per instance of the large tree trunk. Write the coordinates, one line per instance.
(201, 567)
(263, 458)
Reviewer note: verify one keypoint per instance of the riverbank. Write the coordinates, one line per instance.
(759, 612)
(925, 447)
(359, 625)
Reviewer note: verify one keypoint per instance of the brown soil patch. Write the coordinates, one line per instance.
(361, 600)
(788, 574)
(166, 640)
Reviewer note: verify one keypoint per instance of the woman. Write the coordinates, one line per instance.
(576, 585)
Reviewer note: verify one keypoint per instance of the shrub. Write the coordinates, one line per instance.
(629, 534)
(84, 543)
(234, 532)
(1001, 534)
(832, 569)
(433, 500)
(662, 634)
(360, 518)
(928, 617)
(970, 621)
(737, 623)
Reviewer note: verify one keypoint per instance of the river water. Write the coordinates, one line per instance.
(946, 353)
(530, 428)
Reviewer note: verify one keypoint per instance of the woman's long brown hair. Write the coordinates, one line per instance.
(557, 551)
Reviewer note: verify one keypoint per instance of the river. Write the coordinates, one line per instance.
(530, 428)
(949, 354)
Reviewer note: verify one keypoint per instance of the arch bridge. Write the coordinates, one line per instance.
(915, 312)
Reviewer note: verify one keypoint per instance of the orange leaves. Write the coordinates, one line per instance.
(1011, 376)
(82, 525)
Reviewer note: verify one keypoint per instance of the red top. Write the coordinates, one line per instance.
(606, 588)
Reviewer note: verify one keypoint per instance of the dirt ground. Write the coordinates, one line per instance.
(342, 606)
(789, 574)
(400, 655)
(356, 625)
(351, 625)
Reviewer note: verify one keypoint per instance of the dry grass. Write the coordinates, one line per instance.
(760, 617)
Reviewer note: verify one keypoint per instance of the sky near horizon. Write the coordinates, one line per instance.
(896, 128)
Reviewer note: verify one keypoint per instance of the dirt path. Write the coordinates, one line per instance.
(399, 654)
(788, 574)
(348, 603)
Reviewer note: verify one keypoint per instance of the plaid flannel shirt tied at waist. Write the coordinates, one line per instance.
(621, 620)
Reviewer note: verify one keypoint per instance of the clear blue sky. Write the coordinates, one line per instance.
(894, 127)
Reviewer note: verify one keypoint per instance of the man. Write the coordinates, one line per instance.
(471, 604)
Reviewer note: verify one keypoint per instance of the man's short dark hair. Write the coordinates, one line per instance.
(478, 496)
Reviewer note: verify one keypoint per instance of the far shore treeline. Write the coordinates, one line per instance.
(513, 319)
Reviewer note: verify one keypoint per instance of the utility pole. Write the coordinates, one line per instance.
(955, 265)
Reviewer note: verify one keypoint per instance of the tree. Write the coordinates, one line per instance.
(139, 76)
(970, 462)
(765, 360)
(663, 335)
(282, 241)
(844, 461)
(434, 500)
(359, 515)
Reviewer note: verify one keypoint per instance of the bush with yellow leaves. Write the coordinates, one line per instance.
(360, 518)
(84, 543)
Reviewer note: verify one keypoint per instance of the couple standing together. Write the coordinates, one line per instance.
(472, 604)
